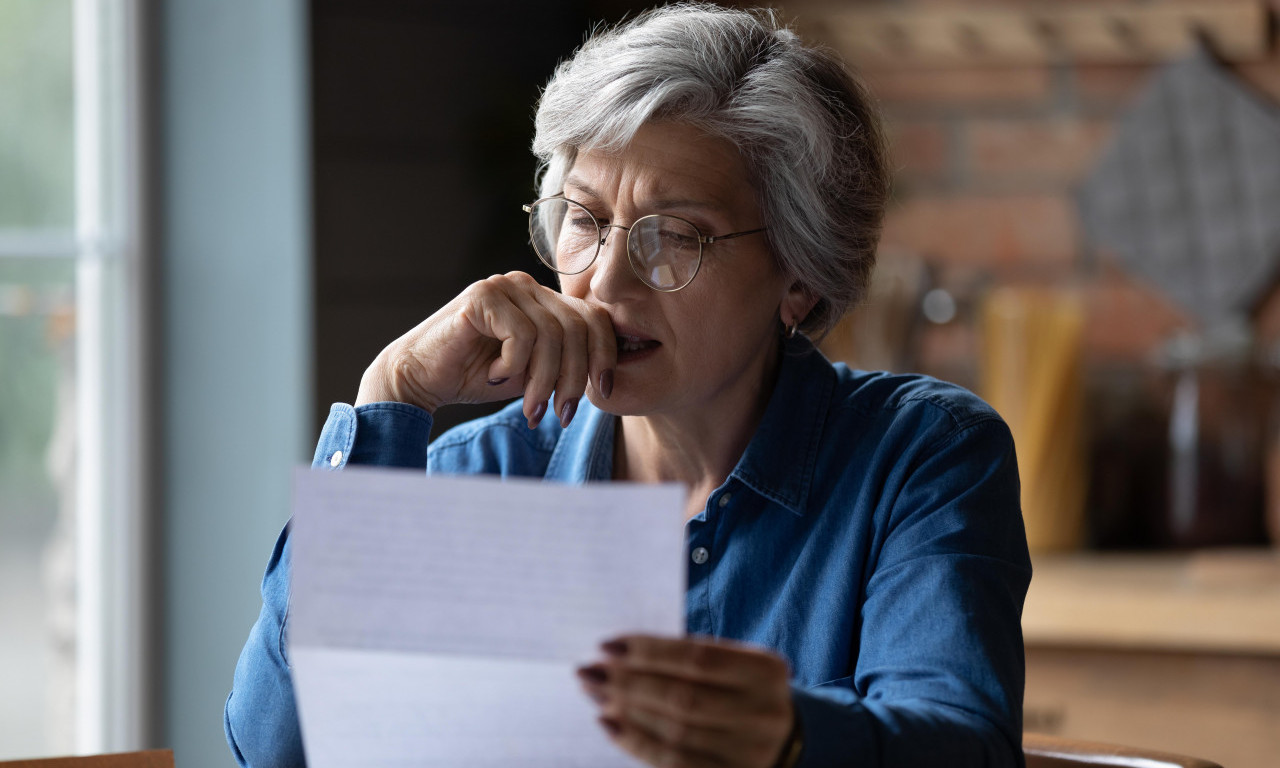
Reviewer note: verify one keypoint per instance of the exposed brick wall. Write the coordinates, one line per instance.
(987, 162)
(988, 159)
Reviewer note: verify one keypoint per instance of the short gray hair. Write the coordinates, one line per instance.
(808, 131)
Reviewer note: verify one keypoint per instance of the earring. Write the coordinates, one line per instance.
(791, 330)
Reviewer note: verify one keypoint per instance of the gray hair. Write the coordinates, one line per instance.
(806, 129)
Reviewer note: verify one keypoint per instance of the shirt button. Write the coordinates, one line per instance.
(724, 500)
(335, 459)
(700, 555)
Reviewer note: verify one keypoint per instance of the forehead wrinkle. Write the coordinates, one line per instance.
(660, 198)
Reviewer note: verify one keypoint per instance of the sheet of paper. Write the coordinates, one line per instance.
(438, 621)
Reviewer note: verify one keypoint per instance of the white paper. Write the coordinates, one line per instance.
(438, 620)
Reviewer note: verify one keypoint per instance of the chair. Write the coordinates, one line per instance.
(1044, 751)
(156, 758)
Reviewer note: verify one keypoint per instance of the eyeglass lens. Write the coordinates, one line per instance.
(664, 251)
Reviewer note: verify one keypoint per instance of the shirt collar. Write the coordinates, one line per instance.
(584, 452)
(780, 459)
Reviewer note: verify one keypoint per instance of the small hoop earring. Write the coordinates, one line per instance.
(791, 330)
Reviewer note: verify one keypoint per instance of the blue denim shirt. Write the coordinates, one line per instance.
(871, 534)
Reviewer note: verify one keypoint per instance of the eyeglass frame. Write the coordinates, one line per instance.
(604, 235)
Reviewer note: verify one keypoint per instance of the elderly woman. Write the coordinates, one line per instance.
(711, 196)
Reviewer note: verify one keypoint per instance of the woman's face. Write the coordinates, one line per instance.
(713, 345)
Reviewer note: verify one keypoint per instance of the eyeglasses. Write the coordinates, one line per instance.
(665, 251)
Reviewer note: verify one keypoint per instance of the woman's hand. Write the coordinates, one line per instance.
(500, 338)
(692, 702)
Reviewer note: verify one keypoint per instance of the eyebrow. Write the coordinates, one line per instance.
(660, 204)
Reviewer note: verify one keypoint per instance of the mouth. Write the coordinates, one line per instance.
(635, 347)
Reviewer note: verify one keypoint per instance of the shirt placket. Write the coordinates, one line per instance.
(703, 557)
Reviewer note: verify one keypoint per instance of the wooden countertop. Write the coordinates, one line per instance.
(1220, 601)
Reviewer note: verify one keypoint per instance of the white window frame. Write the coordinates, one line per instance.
(115, 661)
(114, 637)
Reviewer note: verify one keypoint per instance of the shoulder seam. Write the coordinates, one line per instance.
(960, 417)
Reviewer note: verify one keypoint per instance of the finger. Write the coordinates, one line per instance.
(699, 704)
(634, 739)
(683, 737)
(546, 356)
(572, 380)
(720, 662)
(602, 348)
(491, 313)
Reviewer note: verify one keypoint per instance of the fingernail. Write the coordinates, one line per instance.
(496, 382)
(611, 725)
(538, 413)
(597, 695)
(594, 674)
(616, 648)
(606, 383)
(569, 408)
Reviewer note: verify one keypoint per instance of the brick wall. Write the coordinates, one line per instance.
(988, 159)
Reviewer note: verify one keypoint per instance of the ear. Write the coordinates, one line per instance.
(797, 304)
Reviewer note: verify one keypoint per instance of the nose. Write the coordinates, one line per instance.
(611, 276)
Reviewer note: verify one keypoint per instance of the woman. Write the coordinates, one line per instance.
(712, 193)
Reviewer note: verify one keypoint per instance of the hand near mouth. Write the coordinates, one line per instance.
(500, 338)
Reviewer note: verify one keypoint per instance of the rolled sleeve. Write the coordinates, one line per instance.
(376, 434)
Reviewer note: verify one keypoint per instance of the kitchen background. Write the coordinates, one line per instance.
(1085, 230)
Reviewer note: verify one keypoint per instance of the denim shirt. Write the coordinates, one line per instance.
(871, 534)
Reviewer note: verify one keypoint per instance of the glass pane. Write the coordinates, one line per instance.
(36, 114)
(37, 575)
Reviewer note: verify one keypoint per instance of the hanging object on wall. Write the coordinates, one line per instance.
(1187, 195)
(876, 36)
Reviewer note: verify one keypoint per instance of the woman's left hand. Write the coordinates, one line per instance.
(692, 701)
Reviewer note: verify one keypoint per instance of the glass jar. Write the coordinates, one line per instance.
(1216, 397)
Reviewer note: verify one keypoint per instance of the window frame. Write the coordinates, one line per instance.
(114, 474)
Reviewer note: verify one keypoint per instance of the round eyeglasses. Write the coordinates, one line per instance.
(665, 251)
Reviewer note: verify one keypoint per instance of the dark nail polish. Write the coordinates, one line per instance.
(616, 648)
(567, 410)
(538, 412)
(611, 725)
(594, 674)
(496, 382)
(606, 383)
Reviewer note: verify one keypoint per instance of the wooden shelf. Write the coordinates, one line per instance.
(878, 35)
(1216, 601)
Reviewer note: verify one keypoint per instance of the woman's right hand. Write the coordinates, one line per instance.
(500, 338)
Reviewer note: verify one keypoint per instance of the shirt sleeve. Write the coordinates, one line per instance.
(375, 434)
(260, 717)
(940, 671)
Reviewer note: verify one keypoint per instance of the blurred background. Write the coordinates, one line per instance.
(214, 214)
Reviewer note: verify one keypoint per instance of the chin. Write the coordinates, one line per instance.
(621, 403)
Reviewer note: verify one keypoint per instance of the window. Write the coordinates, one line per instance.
(72, 440)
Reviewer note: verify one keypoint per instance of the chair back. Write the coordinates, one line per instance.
(1044, 751)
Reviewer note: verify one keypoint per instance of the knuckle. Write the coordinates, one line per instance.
(576, 326)
(701, 657)
(683, 697)
(601, 320)
(482, 289)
